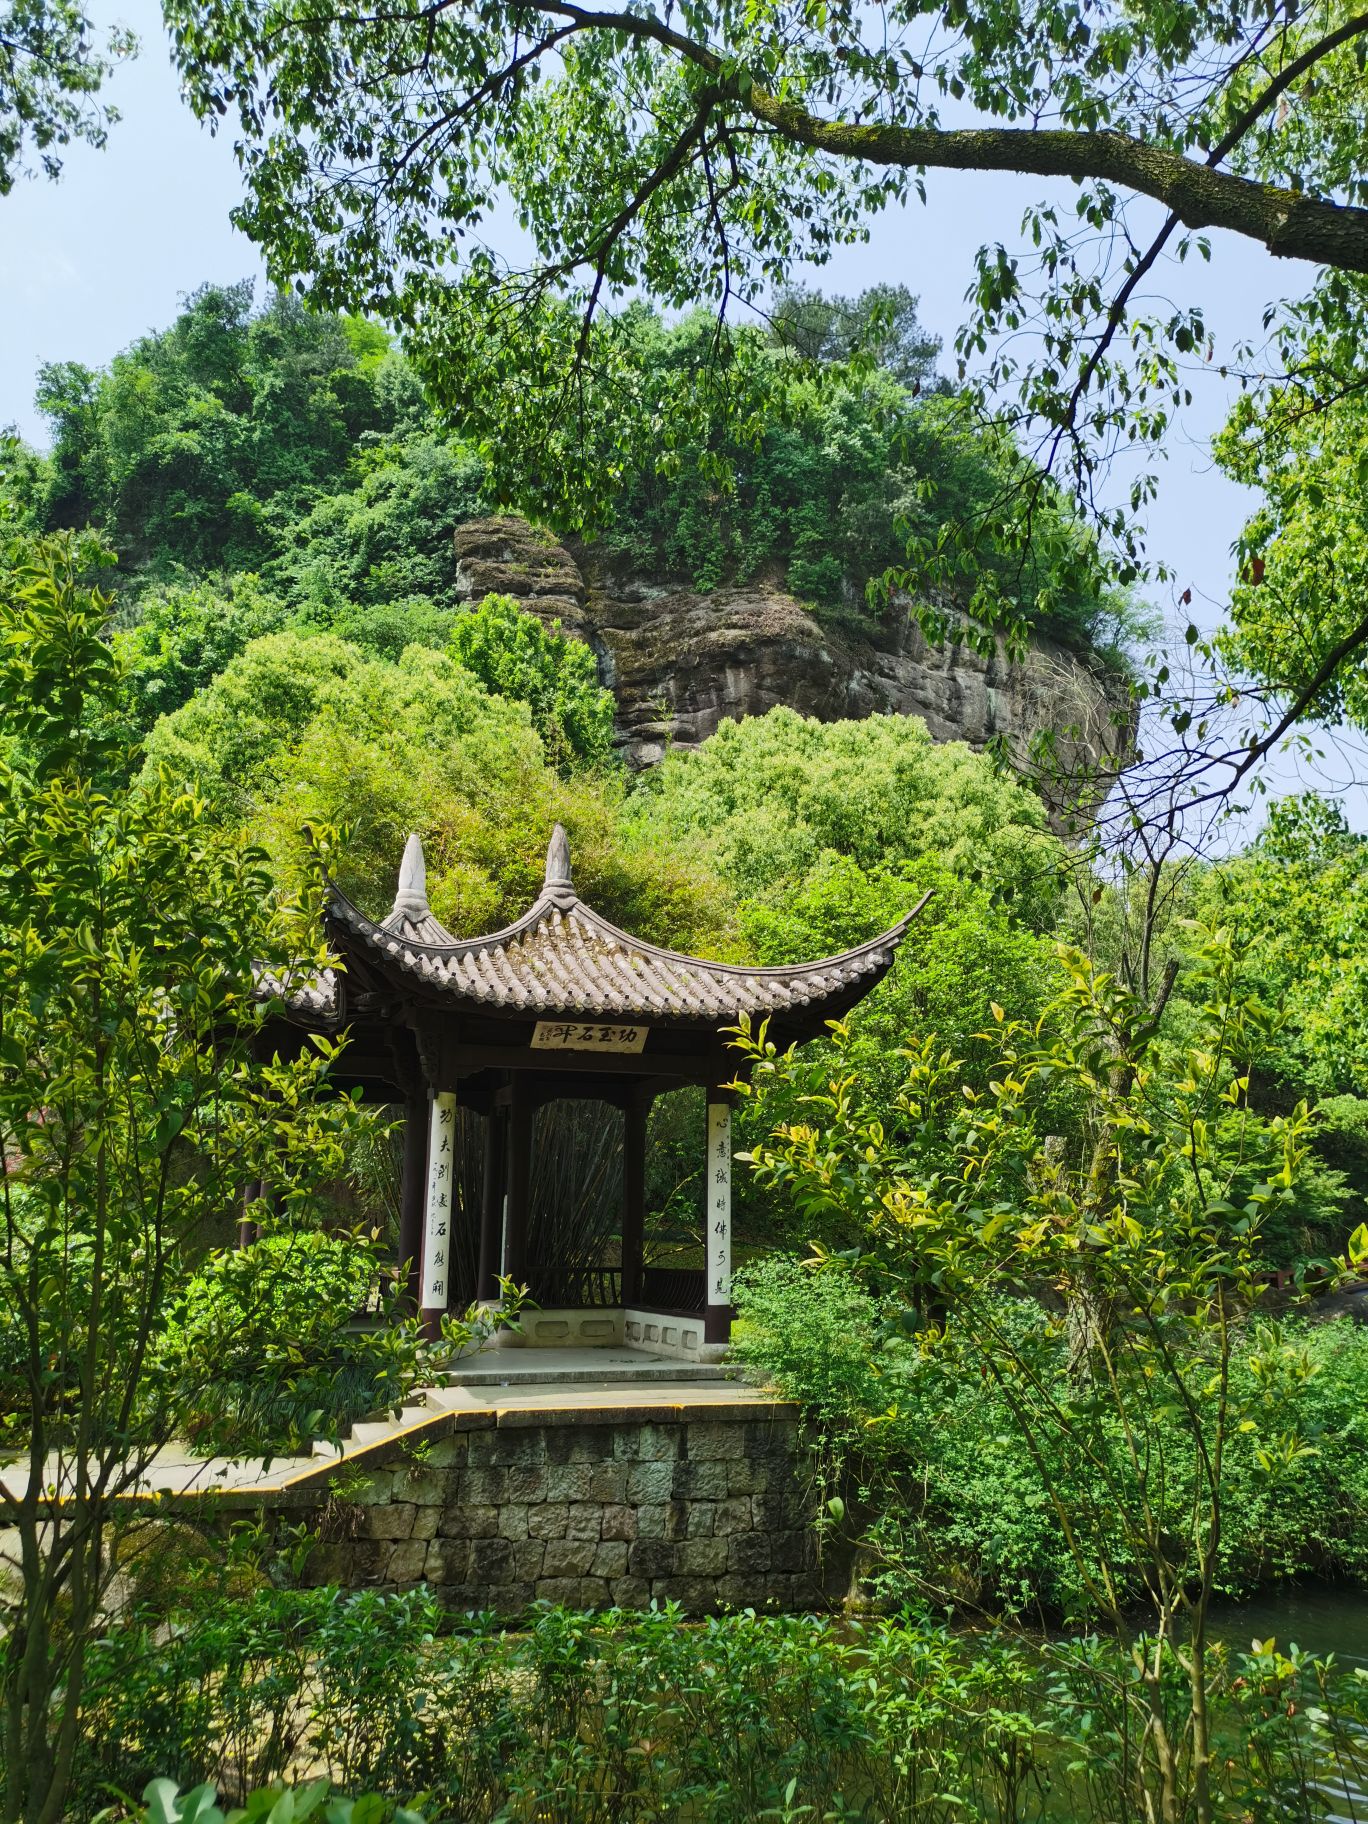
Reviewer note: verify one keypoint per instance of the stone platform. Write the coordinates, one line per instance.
(588, 1493)
(591, 1498)
(599, 1367)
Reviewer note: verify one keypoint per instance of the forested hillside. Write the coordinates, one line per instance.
(299, 450)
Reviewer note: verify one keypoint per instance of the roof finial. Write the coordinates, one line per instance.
(411, 901)
(558, 858)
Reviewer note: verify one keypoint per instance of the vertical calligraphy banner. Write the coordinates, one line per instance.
(438, 1213)
(719, 1204)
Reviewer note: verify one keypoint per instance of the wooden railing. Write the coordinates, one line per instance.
(577, 1288)
(674, 1288)
(594, 1288)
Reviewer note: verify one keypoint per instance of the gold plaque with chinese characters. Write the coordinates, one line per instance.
(575, 1035)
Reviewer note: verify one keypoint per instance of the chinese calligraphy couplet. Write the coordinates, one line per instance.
(438, 1211)
(718, 1204)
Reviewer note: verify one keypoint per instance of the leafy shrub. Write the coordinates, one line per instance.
(594, 1719)
(214, 1696)
(163, 1803)
(961, 1505)
(515, 656)
(265, 1345)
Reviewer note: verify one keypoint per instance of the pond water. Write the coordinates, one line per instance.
(1320, 1618)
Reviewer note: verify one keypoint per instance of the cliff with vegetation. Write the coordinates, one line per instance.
(679, 661)
(260, 469)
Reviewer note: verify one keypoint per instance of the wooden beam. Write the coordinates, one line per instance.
(702, 1067)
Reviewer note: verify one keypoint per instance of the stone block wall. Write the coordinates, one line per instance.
(704, 1505)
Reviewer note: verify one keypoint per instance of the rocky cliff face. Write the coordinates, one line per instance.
(678, 662)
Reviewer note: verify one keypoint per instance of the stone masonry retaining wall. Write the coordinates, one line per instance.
(705, 1505)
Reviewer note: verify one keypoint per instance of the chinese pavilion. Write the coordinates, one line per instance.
(475, 1036)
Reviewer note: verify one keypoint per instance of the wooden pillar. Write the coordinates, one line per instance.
(717, 1216)
(491, 1208)
(438, 1210)
(248, 1227)
(412, 1191)
(633, 1195)
(521, 1119)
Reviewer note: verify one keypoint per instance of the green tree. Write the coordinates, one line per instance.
(299, 447)
(133, 1109)
(1298, 899)
(51, 73)
(880, 324)
(771, 795)
(183, 638)
(387, 539)
(830, 470)
(201, 445)
(515, 656)
(1146, 1240)
(706, 155)
(827, 834)
(1299, 624)
(305, 728)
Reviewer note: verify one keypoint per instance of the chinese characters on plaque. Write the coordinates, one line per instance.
(576, 1035)
(719, 1203)
(437, 1214)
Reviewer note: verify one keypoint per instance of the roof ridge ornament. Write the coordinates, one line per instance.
(558, 861)
(411, 900)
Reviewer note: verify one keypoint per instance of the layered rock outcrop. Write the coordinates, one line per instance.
(679, 661)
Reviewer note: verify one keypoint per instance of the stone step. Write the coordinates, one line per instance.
(524, 1368)
(372, 1431)
(514, 1371)
(442, 1399)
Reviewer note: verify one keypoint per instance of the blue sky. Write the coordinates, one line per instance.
(104, 255)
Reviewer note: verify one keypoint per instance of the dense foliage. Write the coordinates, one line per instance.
(265, 1351)
(964, 1509)
(707, 158)
(292, 457)
(302, 728)
(514, 656)
(1298, 896)
(133, 1107)
(592, 1719)
(1299, 596)
(999, 1191)
(1293, 900)
(1098, 1284)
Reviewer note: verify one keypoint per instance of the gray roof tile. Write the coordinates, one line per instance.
(562, 957)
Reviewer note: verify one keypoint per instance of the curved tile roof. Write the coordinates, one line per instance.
(562, 958)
